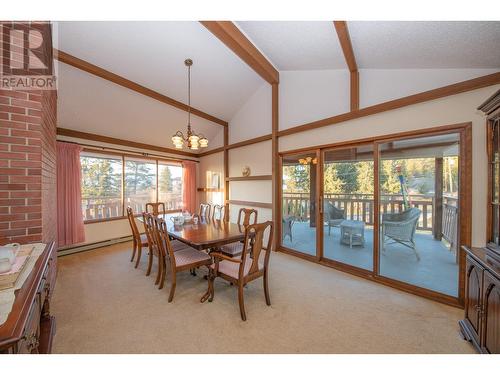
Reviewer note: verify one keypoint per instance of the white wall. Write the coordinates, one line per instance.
(253, 119)
(449, 110)
(209, 165)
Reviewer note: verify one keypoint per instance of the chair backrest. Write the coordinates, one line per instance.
(247, 213)
(204, 210)
(254, 245)
(334, 212)
(154, 208)
(164, 241)
(133, 225)
(149, 228)
(220, 213)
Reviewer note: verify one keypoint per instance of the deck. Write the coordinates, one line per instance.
(437, 269)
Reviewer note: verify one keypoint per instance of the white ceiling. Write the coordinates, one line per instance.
(153, 53)
(296, 45)
(299, 45)
(425, 44)
(90, 104)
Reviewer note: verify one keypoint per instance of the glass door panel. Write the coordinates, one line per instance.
(298, 224)
(419, 211)
(348, 206)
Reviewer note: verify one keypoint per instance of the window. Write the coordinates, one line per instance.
(101, 186)
(140, 183)
(110, 183)
(170, 186)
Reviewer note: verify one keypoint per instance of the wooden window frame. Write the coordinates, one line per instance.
(123, 156)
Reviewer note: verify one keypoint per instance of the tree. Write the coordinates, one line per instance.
(99, 180)
(138, 177)
(165, 180)
(365, 177)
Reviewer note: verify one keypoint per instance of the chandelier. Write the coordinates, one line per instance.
(308, 160)
(193, 141)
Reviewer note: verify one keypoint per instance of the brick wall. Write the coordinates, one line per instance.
(27, 165)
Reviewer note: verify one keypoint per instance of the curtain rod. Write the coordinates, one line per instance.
(146, 154)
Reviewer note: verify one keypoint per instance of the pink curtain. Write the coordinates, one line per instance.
(70, 228)
(189, 185)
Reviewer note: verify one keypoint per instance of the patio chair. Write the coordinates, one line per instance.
(334, 216)
(288, 222)
(400, 228)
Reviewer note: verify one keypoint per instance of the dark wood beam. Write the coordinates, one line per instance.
(229, 34)
(456, 88)
(345, 43)
(124, 82)
(121, 142)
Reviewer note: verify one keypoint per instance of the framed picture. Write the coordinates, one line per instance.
(216, 180)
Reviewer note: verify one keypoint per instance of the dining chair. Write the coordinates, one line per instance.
(178, 261)
(140, 240)
(151, 225)
(220, 212)
(204, 210)
(244, 219)
(154, 208)
(251, 265)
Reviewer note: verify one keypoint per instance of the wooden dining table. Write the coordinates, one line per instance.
(207, 234)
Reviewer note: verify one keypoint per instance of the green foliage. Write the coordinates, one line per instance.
(99, 178)
(139, 177)
(165, 179)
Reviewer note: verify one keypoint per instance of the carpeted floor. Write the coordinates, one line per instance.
(104, 305)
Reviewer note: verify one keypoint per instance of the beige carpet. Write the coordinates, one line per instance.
(104, 305)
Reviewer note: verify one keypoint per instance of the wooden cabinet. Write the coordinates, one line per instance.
(29, 329)
(481, 324)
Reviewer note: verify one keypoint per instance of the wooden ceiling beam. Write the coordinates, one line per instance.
(345, 43)
(124, 82)
(229, 34)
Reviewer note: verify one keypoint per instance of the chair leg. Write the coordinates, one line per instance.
(329, 229)
(150, 263)
(139, 254)
(266, 289)
(211, 282)
(163, 272)
(134, 250)
(172, 287)
(414, 247)
(241, 302)
(160, 270)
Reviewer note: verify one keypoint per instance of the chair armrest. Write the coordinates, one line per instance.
(224, 257)
(398, 223)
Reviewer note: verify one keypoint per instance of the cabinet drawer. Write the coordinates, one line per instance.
(30, 341)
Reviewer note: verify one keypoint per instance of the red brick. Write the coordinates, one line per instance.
(4, 100)
(28, 209)
(25, 194)
(4, 131)
(4, 178)
(13, 125)
(12, 232)
(4, 116)
(34, 216)
(4, 225)
(12, 186)
(11, 109)
(36, 157)
(27, 239)
(26, 223)
(20, 148)
(25, 133)
(4, 163)
(13, 140)
(35, 97)
(12, 217)
(14, 94)
(12, 202)
(25, 179)
(34, 142)
(35, 230)
(34, 201)
(24, 118)
(34, 112)
(13, 171)
(34, 127)
(26, 103)
(34, 172)
(25, 164)
(4, 210)
(32, 187)
(12, 155)
(4, 194)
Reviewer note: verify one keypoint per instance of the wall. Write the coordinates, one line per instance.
(209, 165)
(27, 163)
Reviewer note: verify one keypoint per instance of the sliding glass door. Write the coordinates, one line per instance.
(348, 205)
(299, 194)
(419, 211)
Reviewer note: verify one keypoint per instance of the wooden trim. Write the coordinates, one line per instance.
(386, 137)
(354, 76)
(124, 82)
(250, 178)
(376, 209)
(250, 203)
(209, 190)
(97, 150)
(275, 165)
(122, 142)
(345, 43)
(226, 165)
(456, 88)
(210, 152)
(229, 34)
(251, 141)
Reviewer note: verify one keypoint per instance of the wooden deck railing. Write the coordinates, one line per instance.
(361, 207)
(109, 207)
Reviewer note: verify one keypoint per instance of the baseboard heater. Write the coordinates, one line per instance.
(91, 246)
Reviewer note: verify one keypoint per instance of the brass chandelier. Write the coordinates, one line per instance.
(192, 140)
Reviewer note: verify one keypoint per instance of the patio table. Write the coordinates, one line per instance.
(352, 233)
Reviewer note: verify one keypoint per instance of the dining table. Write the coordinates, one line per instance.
(206, 234)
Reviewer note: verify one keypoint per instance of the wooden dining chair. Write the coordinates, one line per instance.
(245, 216)
(177, 261)
(251, 265)
(154, 208)
(204, 210)
(140, 240)
(220, 213)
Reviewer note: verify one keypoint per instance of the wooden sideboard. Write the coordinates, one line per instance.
(481, 324)
(29, 329)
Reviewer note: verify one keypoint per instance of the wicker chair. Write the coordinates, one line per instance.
(400, 228)
(334, 216)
